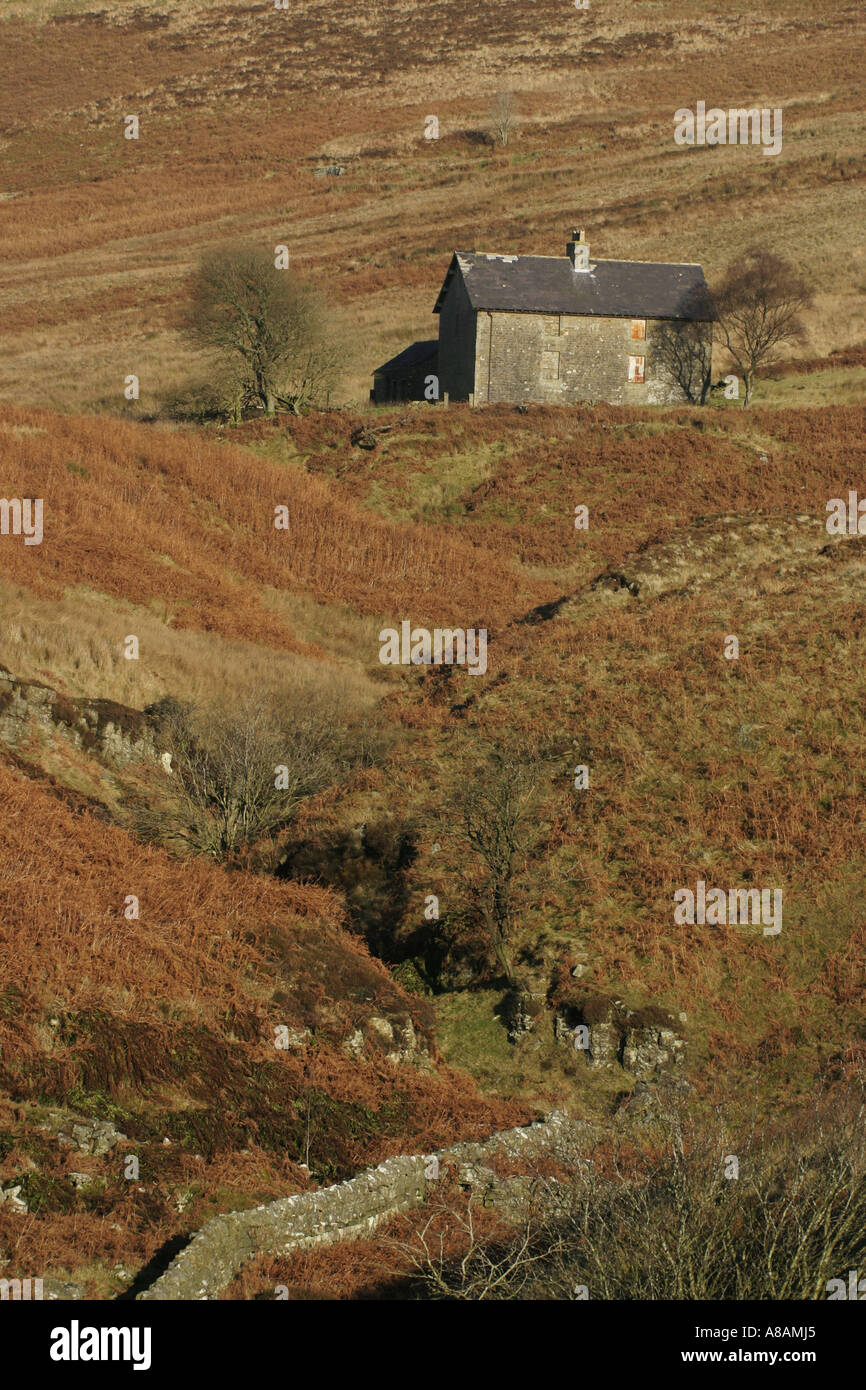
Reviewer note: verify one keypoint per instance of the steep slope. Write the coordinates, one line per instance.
(741, 773)
(607, 651)
(226, 1034)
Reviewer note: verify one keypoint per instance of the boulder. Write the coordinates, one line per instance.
(12, 1200)
(94, 1136)
(648, 1050)
(645, 1042)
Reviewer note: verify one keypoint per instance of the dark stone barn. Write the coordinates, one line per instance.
(562, 329)
(406, 377)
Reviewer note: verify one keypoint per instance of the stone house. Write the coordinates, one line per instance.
(562, 329)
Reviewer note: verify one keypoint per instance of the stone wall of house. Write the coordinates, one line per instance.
(566, 358)
(346, 1211)
(457, 332)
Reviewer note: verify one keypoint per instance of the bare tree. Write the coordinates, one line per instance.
(503, 115)
(699, 1212)
(237, 775)
(759, 306)
(491, 1267)
(496, 803)
(684, 347)
(268, 328)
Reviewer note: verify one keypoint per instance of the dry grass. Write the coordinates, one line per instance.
(734, 772)
(236, 119)
(185, 526)
(740, 772)
(72, 644)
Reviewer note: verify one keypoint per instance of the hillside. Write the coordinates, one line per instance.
(730, 771)
(274, 910)
(157, 1035)
(242, 110)
(606, 649)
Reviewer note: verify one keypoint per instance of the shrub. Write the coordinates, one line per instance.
(667, 1223)
(239, 774)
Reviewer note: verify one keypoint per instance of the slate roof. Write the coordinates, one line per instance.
(550, 285)
(412, 356)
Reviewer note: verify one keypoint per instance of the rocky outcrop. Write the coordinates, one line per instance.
(10, 1197)
(97, 1137)
(524, 1005)
(345, 1211)
(113, 733)
(648, 1049)
(398, 1038)
(93, 1137)
(645, 1042)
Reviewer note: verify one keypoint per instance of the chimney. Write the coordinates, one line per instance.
(577, 250)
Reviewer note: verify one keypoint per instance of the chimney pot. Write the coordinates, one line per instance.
(577, 250)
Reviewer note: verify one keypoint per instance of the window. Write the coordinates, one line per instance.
(550, 366)
(638, 328)
(636, 368)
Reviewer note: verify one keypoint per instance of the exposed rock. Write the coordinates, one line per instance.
(364, 439)
(62, 1290)
(114, 733)
(382, 1027)
(86, 1181)
(408, 1049)
(516, 1016)
(561, 1031)
(404, 1048)
(13, 1201)
(604, 1044)
(647, 1050)
(93, 1136)
(524, 1005)
(644, 1042)
(353, 1045)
